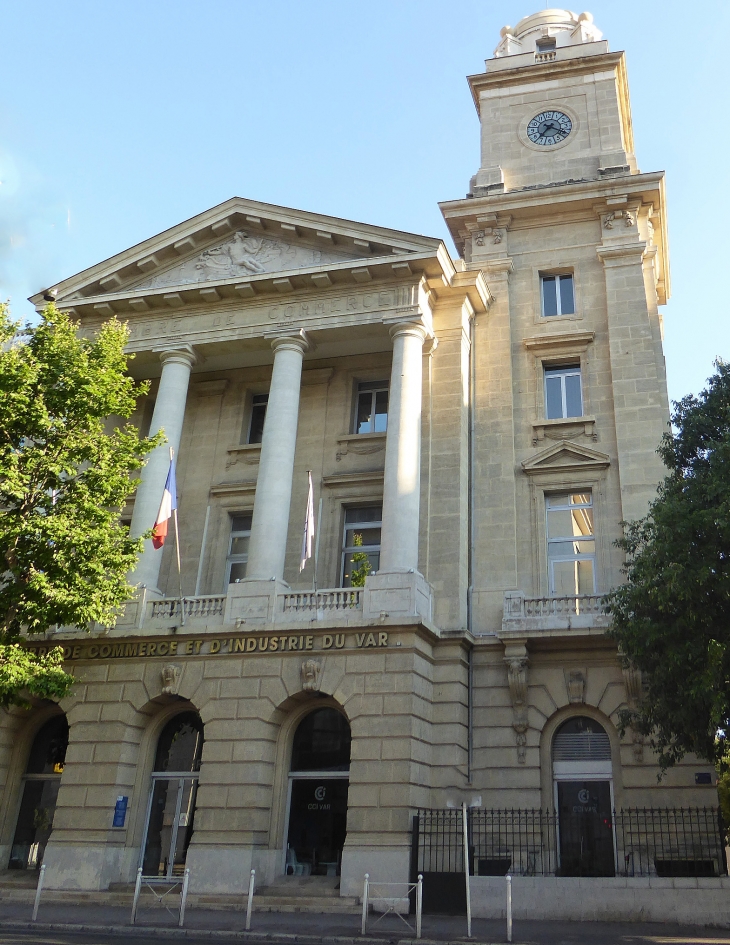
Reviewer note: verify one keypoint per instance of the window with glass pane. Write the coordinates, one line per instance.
(563, 397)
(371, 410)
(364, 522)
(238, 547)
(558, 297)
(258, 415)
(571, 544)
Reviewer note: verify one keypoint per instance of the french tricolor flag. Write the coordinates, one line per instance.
(167, 507)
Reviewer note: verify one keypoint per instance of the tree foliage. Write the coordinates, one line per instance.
(361, 566)
(64, 477)
(672, 617)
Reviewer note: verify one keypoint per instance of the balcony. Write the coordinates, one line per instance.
(307, 607)
(553, 616)
(387, 598)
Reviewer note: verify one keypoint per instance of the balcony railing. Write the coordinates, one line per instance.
(563, 606)
(575, 613)
(548, 56)
(340, 600)
(169, 608)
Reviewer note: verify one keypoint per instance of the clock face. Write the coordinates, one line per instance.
(549, 128)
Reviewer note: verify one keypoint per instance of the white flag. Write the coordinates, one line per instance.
(308, 536)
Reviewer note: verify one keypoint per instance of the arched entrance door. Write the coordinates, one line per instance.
(171, 807)
(318, 783)
(41, 782)
(583, 781)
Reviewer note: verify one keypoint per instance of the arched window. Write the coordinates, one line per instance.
(180, 744)
(318, 785)
(171, 809)
(581, 739)
(41, 782)
(322, 742)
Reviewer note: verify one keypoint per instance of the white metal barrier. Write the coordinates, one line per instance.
(38, 891)
(509, 907)
(151, 881)
(372, 893)
(251, 883)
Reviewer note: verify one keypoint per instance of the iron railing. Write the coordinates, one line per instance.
(628, 842)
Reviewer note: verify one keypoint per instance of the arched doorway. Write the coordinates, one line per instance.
(318, 784)
(41, 782)
(583, 780)
(171, 808)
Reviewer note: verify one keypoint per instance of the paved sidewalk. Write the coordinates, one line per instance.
(91, 923)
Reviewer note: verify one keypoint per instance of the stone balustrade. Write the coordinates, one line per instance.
(552, 616)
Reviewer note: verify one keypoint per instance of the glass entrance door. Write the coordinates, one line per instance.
(169, 825)
(586, 831)
(317, 826)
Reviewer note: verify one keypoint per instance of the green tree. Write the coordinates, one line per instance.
(64, 476)
(672, 617)
(361, 566)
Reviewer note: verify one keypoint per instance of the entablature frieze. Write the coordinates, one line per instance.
(232, 321)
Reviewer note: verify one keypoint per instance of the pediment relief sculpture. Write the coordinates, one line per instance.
(243, 256)
(565, 455)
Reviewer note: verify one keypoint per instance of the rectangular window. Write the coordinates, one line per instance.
(563, 397)
(258, 415)
(546, 44)
(558, 297)
(371, 409)
(238, 547)
(361, 535)
(571, 544)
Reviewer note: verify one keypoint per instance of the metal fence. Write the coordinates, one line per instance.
(629, 842)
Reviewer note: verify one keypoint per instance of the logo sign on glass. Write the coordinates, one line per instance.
(549, 128)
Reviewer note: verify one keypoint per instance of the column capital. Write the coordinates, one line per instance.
(416, 329)
(177, 354)
(293, 339)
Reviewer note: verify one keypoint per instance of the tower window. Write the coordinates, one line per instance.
(563, 396)
(571, 544)
(237, 559)
(371, 409)
(546, 44)
(557, 293)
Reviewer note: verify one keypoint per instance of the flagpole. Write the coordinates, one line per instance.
(177, 550)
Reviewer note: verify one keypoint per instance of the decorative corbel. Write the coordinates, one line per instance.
(633, 684)
(517, 662)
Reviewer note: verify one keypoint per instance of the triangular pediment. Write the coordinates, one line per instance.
(239, 240)
(565, 456)
(243, 255)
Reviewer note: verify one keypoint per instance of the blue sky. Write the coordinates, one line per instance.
(120, 119)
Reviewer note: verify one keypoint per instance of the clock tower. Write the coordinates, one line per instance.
(570, 389)
(553, 88)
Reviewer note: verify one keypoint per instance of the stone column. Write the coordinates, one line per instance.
(270, 524)
(168, 416)
(402, 478)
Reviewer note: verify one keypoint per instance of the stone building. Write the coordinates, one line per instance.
(476, 424)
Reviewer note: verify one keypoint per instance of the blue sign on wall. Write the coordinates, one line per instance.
(120, 811)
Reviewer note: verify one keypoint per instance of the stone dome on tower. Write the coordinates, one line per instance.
(546, 31)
